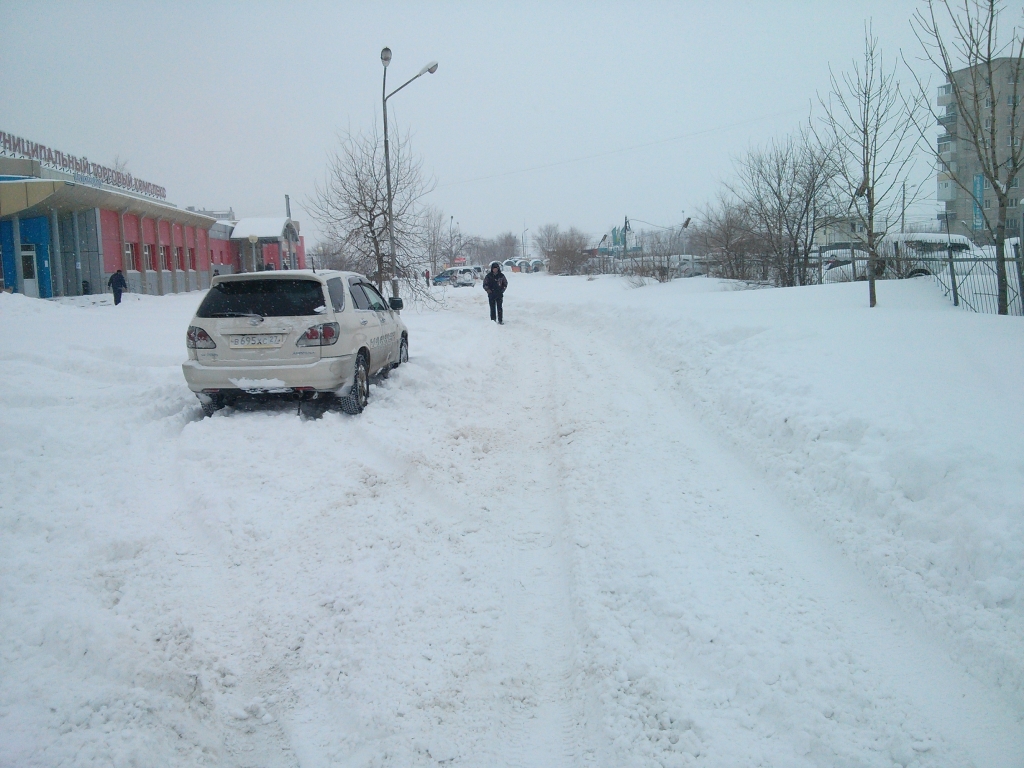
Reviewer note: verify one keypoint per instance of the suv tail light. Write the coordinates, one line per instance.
(322, 335)
(197, 338)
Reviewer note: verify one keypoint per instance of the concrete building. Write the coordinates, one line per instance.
(959, 156)
(67, 224)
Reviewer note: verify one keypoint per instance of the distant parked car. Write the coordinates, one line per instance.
(464, 276)
(292, 334)
(445, 278)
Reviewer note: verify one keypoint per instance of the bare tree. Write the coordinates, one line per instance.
(724, 238)
(569, 255)
(865, 130)
(983, 70)
(506, 246)
(351, 205)
(545, 240)
(436, 236)
(781, 186)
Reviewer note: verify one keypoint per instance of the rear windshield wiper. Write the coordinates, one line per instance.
(237, 314)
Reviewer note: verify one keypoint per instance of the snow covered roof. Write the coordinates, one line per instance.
(261, 227)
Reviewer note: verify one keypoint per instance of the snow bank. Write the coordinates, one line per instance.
(896, 429)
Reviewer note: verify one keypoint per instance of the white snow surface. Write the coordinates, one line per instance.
(676, 525)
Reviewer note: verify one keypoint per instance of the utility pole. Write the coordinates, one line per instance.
(903, 209)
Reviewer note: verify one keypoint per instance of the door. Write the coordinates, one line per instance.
(383, 345)
(369, 322)
(30, 280)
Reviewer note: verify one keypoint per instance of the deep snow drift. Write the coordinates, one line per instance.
(671, 525)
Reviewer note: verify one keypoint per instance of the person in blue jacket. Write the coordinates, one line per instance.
(495, 284)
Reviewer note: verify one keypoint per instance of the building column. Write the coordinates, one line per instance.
(141, 256)
(99, 254)
(188, 261)
(56, 268)
(56, 261)
(77, 235)
(159, 261)
(124, 266)
(16, 233)
(174, 262)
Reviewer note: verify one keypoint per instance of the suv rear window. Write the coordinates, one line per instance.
(267, 298)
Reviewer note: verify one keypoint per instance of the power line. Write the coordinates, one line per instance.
(558, 163)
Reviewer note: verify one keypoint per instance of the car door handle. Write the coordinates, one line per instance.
(362, 322)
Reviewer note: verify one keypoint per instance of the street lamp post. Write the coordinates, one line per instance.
(385, 59)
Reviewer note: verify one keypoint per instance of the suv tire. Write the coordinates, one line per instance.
(355, 400)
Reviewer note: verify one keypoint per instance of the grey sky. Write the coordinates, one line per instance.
(239, 103)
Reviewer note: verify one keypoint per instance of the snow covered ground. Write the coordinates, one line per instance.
(672, 525)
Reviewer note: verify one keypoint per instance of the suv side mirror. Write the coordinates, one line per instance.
(396, 303)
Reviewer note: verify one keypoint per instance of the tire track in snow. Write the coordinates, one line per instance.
(542, 651)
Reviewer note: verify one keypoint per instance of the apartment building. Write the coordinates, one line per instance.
(959, 157)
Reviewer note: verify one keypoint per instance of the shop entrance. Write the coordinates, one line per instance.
(29, 281)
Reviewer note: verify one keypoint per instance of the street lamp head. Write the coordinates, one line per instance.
(253, 239)
(385, 57)
(431, 68)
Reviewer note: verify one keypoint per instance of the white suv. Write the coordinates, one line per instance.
(310, 337)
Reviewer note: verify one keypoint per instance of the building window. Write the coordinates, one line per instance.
(131, 256)
(987, 184)
(988, 203)
(179, 257)
(1015, 183)
(147, 257)
(211, 256)
(165, 258)
(1012, 101)
(192, 259)
(1012, 203)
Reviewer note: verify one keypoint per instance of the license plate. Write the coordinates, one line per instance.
(257, 340)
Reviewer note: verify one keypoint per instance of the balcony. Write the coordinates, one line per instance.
(946, 188)
(948, 122)
(945, 96)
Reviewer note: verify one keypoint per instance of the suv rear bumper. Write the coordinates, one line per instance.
(325, 375)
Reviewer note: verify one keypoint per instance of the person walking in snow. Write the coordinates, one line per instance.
(118, 285)
(495, 284)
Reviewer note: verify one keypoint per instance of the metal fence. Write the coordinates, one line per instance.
(966, 276)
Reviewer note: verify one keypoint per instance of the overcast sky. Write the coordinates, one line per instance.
(568, 113)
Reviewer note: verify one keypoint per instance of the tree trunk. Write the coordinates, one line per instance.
(1001, 259)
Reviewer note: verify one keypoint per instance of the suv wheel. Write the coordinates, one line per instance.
(357, 397)
(403, 351)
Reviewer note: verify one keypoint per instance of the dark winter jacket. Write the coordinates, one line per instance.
(495, 283)
(117, 282)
